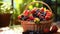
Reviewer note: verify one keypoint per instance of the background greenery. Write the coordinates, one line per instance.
(19, 6)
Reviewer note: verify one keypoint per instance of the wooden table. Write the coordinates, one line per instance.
(57, 33)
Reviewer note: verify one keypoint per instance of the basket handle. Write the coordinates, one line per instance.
(38, 2)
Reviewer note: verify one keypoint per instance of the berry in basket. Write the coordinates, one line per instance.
(26, 13)
(36, 15)
(33, 10)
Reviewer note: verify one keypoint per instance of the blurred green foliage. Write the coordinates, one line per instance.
(25, 3)
(22, 5)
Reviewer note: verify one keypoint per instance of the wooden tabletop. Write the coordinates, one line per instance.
(57, 33)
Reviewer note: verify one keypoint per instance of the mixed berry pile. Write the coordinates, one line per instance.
(36, 15)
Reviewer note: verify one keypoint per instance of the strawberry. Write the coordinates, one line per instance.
(47, 10)
(38, 14)
(54, 28)
(31, 17)
(34, 10)
(46, 30)
(49, 14)
(19, 16)
(26, 12)
(42, 9)
(47, 17)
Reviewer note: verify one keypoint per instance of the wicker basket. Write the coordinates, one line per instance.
(32, 26)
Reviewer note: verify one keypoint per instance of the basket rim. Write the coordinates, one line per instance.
(41, 22)
(41, 2)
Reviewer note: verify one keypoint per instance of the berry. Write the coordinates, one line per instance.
(24, 18)
(38, 14)
(35, 15)
(54, 29)
(44, 13)
(34, 10)
(49, 14)
(41, 16)
(26, 12)
(19, 17)
(47, 11)
(37, 11)
(31, 17)
(42, 9)
(41, 19)
(47, 17)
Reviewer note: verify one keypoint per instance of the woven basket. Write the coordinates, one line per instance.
(32, 26)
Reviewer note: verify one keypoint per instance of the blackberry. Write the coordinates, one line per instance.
(37, 11)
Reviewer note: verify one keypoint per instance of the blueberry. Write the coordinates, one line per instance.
(45, 13)
(41, 19)
(22, 15)
(35, 15)
(42, 14)
(37, 11)
(24, 18)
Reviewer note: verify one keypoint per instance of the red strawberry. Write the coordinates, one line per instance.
(38, 14)
(31, 17)
(26, 12)
(34, 10)
(49, 14)
(47, 17)
(47, 11)
(28, 19)
(19, 17)
(42, 9)
(46, 30)
(54, 28)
